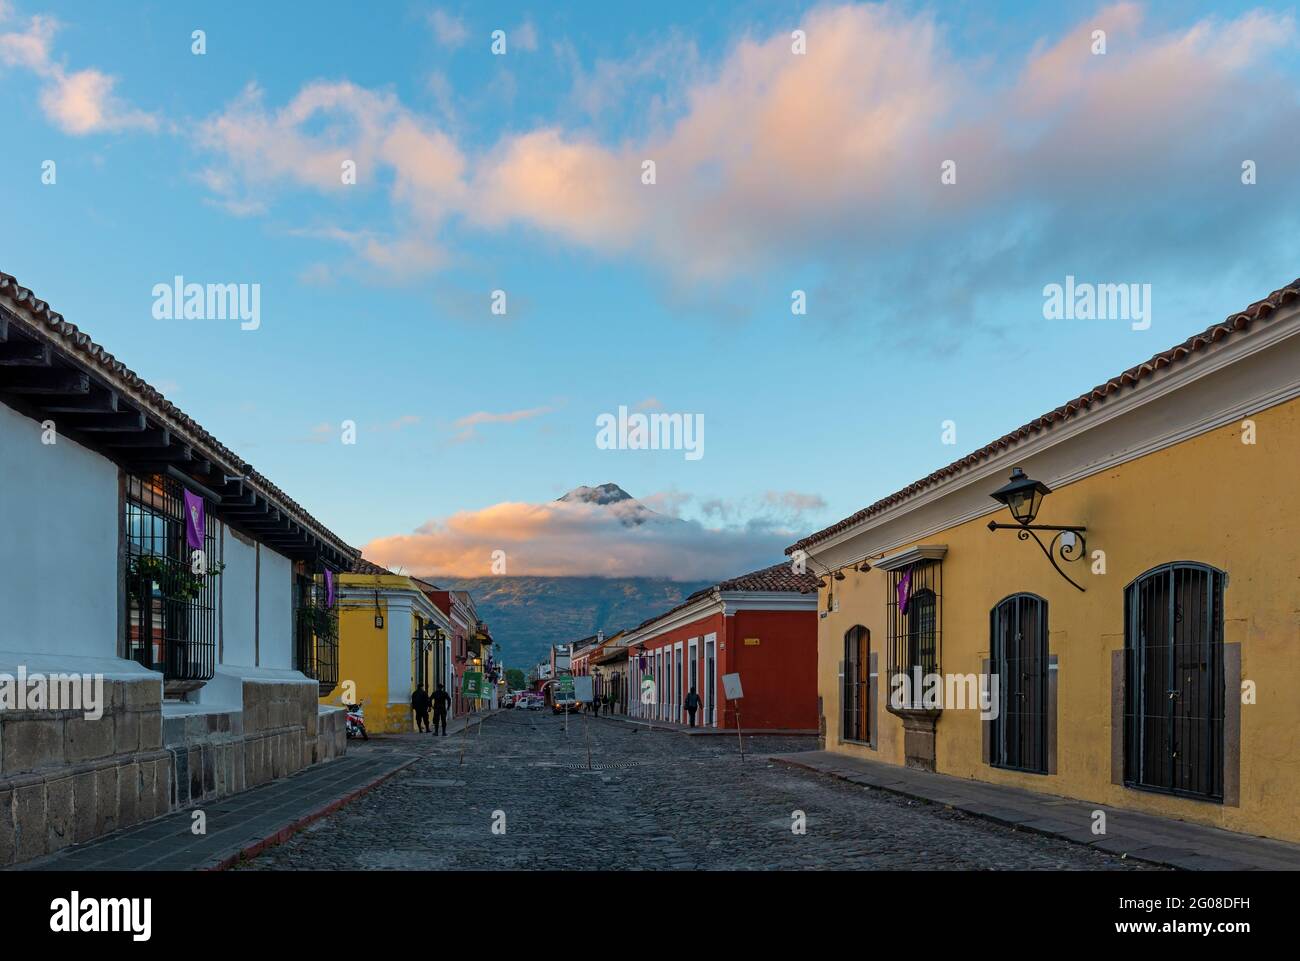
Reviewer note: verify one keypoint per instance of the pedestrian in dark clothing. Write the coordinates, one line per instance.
(441, 701)
(692, 704)
(420, 705)
(595, 706)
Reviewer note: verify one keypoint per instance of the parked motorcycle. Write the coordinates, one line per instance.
(355, 721)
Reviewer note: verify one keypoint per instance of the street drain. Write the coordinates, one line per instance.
(598, 766)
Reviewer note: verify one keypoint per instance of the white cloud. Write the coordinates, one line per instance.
(450, 31)
(523, 37)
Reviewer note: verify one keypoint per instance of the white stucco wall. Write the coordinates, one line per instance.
(276, 610)
(238, 600)
(58, 544)
(399, 649)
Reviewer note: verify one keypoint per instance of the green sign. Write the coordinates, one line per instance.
(564, 685)
(471, 684)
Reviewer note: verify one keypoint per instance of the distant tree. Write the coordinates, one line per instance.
(515, 678)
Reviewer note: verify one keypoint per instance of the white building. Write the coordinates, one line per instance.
(211, 658)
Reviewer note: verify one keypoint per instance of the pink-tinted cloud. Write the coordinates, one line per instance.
(561, 538)
(78, 102)
(469, 424)
(769, 156)
(785, 155)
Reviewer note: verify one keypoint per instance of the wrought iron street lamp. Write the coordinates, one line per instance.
(1023, 496)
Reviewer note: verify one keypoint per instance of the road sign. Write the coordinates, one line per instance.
(564, 685)
(471, 684)
(584, 689)
(731, 687)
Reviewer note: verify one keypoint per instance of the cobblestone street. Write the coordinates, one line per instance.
(656, 801)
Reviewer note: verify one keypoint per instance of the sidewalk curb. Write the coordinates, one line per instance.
(1014, 823)
(666, 728)
(251, 850)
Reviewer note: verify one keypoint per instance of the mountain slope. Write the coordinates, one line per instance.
(529, 614)
(619, 503)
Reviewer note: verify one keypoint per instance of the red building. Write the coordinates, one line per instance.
(762, 626)
(467, 635)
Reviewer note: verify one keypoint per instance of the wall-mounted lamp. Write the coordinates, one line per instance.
(1023, 496)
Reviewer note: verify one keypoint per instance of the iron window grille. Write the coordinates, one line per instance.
(171, 601)
(316, 635)
(915, 634)
(419, 662)
(855, 724)
(1018, 658)
(1174, 684)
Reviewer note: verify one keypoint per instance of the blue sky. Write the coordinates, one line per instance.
(521, 172)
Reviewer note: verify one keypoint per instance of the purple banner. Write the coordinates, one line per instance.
(329, 588)
(904, 591)
(195, 521)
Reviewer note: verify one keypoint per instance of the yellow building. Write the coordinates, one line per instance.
(1165, 680)
(392, 637)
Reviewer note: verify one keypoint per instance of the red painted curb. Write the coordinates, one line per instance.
(279, 837)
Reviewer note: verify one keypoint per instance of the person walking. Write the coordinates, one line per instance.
(595, 705)
(420, 705)
(441, 701)
(692, 704)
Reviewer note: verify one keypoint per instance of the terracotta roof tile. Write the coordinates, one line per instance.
(363, 566)
(778, 577)
(1238, 322)
(99, 359)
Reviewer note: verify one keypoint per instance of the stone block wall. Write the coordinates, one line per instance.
(66, 779)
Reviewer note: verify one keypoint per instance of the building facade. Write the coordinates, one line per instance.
(762, 626)
(466, 642)
(1141, 654)
(393, 637)
(143, 560)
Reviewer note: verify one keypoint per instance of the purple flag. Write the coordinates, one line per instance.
(329, 588)
(195, 521)
(904, 591)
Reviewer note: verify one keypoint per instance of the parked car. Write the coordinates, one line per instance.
(526, 702)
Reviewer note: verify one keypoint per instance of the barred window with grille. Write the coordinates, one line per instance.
(420, 652)
(1174, 681)
(1018, 657)
(915, 622)
(171, 606)
(857, 685)
(316, 640)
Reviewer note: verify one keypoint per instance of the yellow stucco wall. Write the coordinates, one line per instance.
(363, 656)
(1211, 499)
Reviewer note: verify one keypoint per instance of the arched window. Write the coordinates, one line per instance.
(857, 685)
(1018, 659)
(1173, 701)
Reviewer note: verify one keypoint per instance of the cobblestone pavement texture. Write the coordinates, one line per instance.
(655, 801)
